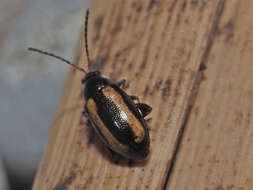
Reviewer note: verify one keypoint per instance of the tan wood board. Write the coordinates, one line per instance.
(216, 150)
(158, 47)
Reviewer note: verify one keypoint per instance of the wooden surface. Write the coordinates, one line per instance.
(216, 149)
(201, 132)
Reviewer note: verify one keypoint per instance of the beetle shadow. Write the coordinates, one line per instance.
(108, 154)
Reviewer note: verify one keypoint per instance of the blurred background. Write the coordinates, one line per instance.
(31, 84)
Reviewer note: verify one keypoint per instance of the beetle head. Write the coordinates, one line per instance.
(90, 75)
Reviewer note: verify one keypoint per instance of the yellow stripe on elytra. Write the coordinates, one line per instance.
(113, 142)
(125, 113)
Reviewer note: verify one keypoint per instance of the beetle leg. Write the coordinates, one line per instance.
(84, 115)
(122, 83)
(84, 118)
(144, 108)
(84, 121)
(81, 93)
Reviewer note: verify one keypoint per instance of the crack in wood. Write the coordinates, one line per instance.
(195, 88)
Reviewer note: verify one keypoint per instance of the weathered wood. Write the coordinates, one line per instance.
(216, 150)
(158, 46)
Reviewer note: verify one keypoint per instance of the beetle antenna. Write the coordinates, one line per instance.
(86, 38)
(57, 57)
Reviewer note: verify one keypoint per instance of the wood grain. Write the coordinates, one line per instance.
(160, 48)
(216, 151)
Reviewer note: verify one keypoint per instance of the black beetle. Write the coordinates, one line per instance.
(115, 116)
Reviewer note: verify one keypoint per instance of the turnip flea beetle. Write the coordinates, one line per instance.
(114, 115)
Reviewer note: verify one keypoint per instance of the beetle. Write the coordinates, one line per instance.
(115, 116)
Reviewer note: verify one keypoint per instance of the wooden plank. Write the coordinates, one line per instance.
(216, 152)
(158, 47)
